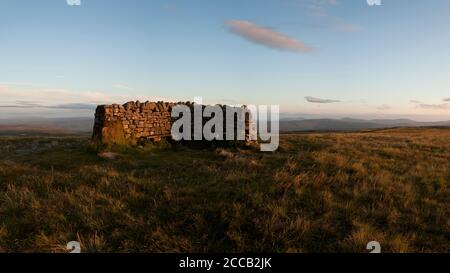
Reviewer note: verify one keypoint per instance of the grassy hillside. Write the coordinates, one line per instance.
(319, 193)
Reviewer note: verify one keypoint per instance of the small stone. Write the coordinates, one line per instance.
(108, 155)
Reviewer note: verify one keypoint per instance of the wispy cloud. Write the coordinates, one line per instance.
(432, 106)
(345, 26)
(442, 106)
(384, 107)
(319, 9)
(75, 106)
(21, 84)
(66, 106)
(319, 100)
(123, 87)
(28, 103)
(266, 36)
(30, 96)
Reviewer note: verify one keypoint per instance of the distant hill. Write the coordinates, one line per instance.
(31, 130)
(46, 126)
(349, 124)
(289, 124)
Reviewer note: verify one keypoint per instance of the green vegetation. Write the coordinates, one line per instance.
(112, 135)
(329, 192)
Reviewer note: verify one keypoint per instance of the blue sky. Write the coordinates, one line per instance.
(320, 57)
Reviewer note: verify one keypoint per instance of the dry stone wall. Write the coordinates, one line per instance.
(135, 122)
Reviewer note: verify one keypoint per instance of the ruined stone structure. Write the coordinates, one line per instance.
(135, 122)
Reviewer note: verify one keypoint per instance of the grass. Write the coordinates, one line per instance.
(327, 192)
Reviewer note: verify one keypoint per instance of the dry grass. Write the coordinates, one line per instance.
(319, 193)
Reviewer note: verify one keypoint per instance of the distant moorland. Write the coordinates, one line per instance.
(31, 126)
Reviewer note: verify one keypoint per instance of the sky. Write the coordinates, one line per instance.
(328, 58)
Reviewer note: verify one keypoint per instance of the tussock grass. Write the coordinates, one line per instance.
(328, 192)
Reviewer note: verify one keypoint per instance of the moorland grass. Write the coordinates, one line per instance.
(327, 192)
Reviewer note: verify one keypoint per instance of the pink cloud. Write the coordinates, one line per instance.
(266, 37)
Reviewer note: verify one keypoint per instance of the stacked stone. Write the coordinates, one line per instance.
(148, 120)
(142, 121)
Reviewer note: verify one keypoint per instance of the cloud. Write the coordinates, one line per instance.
(318, 100)
(318, 9)
(20, 96)
(74, 106)
(27, 95)
(15, 106)
(442, 106)
(431, 106)
(345, 26)
(266, 36)
(66, 106)
(384, 107)
(123, 87)
(21, 84)
(25, 103)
